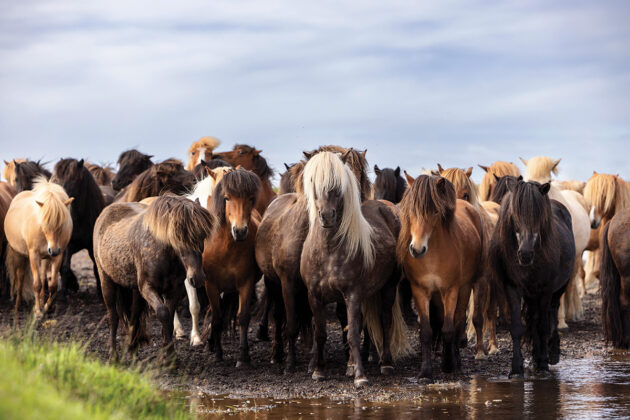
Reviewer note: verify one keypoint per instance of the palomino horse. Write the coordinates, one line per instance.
(483, 314)
(279, 241)
(250, 158)
(532, 256)
(389, 185)
(38, 226)
(167, 176)
(131, 163)
(605, 195)
(228, 258)
(26, 172)
(339, 259)
(8, 173)
(615, 279)
(88, 203)
(494, 171)
(441, 250)
(143, 252)
(539, 169)
(201, 150)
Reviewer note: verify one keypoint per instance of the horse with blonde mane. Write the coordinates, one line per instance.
(7, 192)
(201, 150)
(38, 227)
(540, 169)
(482, 314)
(494, 171)
(338, 263)
(441, 249)
(605, 195)
(145, 254)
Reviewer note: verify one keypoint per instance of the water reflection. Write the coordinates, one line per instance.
(587, 388)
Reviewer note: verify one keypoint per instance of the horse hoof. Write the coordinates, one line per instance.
(361, 383)
(562, 326)
(387, 370)
(319, 376)
(515, 375)
(493, 350)
(350, 371)
(423, 380)
(195, 341)
(480, 355)
(311, 366)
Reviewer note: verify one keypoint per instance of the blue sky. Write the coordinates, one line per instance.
(415, 83)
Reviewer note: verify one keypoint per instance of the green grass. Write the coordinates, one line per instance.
(44, 379)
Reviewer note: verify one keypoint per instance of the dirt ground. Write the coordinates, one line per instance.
(83, 317)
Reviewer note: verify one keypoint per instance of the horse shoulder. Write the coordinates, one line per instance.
(382, 211)
(470, 219)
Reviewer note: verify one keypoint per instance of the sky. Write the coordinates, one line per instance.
(416, 83)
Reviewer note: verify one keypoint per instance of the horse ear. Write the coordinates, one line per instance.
(496, 178)
(6, 163)
(410, 179)
(441, 184)
(68, 201)
(287, 166)
(308, 155)
(211, 173)
(80, 163)
(440, 169)
(377, 171)
(524, 161)
(363, 153)
(435, 173)
(469, 172)
(554, 168)
(40, 203)
(344, 157)
(520, 178)
(149, 156)
(485, 168)
(238, 167)
(594, 172)
(544, 188)
(197, 201)
(397, 171)
(257, 152)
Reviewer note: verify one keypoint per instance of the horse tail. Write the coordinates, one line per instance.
(14, 261)
(398, 344)
(611, 290)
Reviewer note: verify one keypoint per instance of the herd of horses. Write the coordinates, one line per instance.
(456, 256)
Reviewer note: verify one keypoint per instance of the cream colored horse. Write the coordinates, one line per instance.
(539, 169)
(38, 226)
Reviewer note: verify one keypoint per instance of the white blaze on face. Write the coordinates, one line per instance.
(202, 154)
(592, 216)
(420, 243)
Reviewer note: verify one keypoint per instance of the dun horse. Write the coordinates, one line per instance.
(38, 226)
(144, 253)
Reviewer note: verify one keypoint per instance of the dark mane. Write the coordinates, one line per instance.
(167, 176)
(130, 164)
(389, 185)
(526, 206)
(427, 196)
(200, 171)
(238, 183)
(503, 186)
(26, 172)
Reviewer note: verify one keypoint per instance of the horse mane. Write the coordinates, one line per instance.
(609, 194)
(238, 183)
(424, 198)
(26, 172)
(132, 155)
(577, 186)
(261, 168)
(499, 169)
(526, 206)
(178, 222)
(208, 142)
(200, 172)
(503, 186)
(205, 187)
(54, 211)
(460, 180)
(387, 181)
(326, 172)
(168, 175)
(540, 168)
(75, 177)
(103, 175)
(287, 184)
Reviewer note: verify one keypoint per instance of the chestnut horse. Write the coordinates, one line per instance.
(250, 158)
(483, 314)
(144, 253)
(88, 203)
(389, 185)
(349, 256)
(167, 176)
(441, 250)
(201, 150)
(7, 192)
(615, 279)
(494, 171)
(131, 163)
(532, 255)
(38, 227)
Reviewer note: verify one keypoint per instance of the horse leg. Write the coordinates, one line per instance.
(178, 329)
(69, 281)
(479, 296)
(342, 316)
(263, 327)
(562, 310)
(216, 323)
(319, 321)
(388, 299)
(289, 294)
(55, 264)
(20, 273)
(422, 298)
(109, 296)
(463, 297)
(516, 330)
(491, 319)
(164, 315)
(449, 333)
(243, 316)
(542, 330)
(194, 308)
(37, 284)
(277, 346)
(353, 304)
(554, 345)
(99, 292)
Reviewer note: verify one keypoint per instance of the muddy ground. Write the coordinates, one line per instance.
(83, 317)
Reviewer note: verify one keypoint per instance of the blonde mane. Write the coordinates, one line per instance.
(53, 210)
(540, 168)
(609, 194)
(460, 181)
(324, 172)
(499, 169)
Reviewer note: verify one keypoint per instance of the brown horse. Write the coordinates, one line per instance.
(7, 192)
(131, 163)
(441, 249)
(228, 258)
(389, 185)
(250, 158)
(38, 226)
(286, 181)
(339, 258)
(201, 150)
(615, 279)
(8, 173)
(143, 254)
(494, 171)
(167, 176)
(484, 311)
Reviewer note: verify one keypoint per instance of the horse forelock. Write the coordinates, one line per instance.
(607, 193)
(540, 168)
(54, 213)
(239, 183)
(460, 180)
(529, 208)
(325, 172)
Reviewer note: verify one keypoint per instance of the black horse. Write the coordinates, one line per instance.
(531, 257)
(88, 203)
(389, 185)
(26, 172)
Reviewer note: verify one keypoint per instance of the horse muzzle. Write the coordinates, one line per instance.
(525, 258)
(415, 253)
(239, 234)
(197, 281)
(328, 219)
(595, 223)
(54, 252)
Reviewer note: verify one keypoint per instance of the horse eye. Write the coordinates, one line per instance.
(241, 152)
(227, 198)
(466, 196)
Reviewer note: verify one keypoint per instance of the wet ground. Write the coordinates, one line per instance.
(590, 381)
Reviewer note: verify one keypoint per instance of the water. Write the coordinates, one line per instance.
(584, 388)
